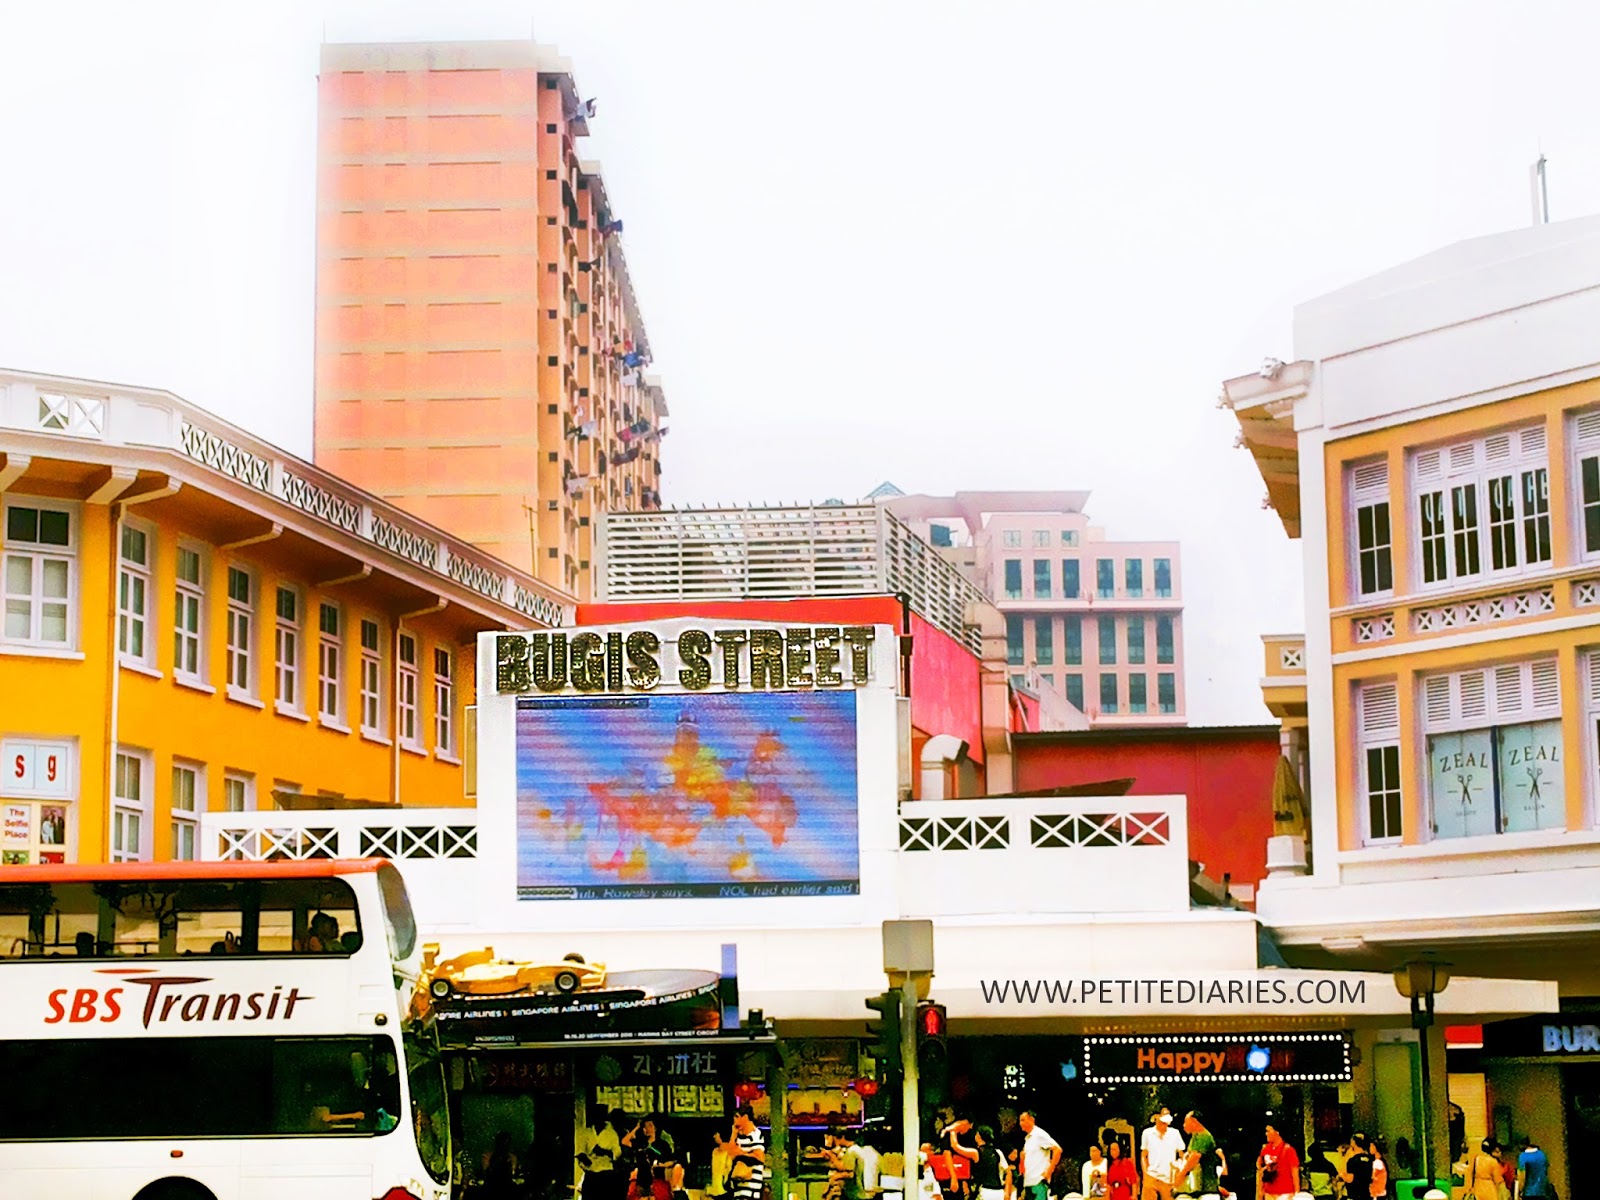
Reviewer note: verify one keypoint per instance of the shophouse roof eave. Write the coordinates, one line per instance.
(159, 431)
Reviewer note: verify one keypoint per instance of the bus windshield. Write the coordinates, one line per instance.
(78, 1089)
(147, 918)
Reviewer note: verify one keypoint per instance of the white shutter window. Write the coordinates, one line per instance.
(1380, 710)
(1508, 690)
(1586, 429)
(1496, 449)
(1592, 662)
(1428, 465)
(1370, 481)
(1463, 457)
(1436, 706)
(1496, 695)
(1546, 685)
(1533, 442)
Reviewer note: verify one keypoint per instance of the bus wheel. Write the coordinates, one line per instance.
(566, 982)
(440, 989)
(175, 1189)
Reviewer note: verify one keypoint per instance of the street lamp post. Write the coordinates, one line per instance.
(1419, 981)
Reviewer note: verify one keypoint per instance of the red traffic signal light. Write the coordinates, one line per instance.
(931, 1022)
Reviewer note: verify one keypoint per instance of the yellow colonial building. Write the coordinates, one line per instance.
(194, 621)
(1436, 448)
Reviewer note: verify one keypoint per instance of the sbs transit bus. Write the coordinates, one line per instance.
(215, 1031)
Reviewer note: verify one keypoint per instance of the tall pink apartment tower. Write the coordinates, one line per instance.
(481, 360)
(1098, 622)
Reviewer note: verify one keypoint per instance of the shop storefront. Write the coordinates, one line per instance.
(1536, 1077)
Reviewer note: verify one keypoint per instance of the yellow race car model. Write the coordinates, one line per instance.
(480, 973)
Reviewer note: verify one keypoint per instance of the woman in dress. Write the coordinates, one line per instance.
(1486, 1176)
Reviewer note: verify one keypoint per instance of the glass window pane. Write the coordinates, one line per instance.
(1044, 641)
(1107, 637)
(1013, 578)
(75, 1089)
(1070, 584)
(56, 575)
(19, 618)
(1041, 578)
(53, 623)
(1136, 639)
(1163, 572)
(22, 524)
(1075, 691)
(1014, 654)
(1108, 694)
(19, 573)
(55, 528)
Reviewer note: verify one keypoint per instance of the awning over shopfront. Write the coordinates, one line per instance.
(1191, 972)
(1270, 999)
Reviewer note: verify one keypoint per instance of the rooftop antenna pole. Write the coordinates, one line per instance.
(1540, 185)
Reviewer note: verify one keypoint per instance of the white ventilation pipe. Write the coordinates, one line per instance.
(938, 753)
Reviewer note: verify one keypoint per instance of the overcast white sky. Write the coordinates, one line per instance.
(955, 245)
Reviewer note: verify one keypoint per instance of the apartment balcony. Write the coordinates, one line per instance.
(1283, 676)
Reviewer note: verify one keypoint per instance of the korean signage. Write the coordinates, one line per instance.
(1222, 1058)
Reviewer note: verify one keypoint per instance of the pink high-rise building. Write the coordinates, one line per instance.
(1095, 621)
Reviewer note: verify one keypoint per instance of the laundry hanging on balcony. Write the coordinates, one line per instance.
(577, 483)
(583, 112)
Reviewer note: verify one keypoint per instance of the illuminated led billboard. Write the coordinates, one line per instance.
(693, 794)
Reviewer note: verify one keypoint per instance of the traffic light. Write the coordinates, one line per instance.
(933, 1056)
(885, 1033)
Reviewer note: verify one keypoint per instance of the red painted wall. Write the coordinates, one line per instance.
(945, 675)
(946, 696)
(1226, 773)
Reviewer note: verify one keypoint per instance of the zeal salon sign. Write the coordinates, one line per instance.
(116, 1001)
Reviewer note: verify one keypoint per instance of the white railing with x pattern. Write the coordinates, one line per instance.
(955, 858)
(1043, 855)
(435, 848)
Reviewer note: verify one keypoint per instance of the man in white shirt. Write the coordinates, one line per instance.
(1160, 1152)
(598, 1151)
(1041, 1154)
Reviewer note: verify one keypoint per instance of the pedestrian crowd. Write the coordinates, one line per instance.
(1016, 1158)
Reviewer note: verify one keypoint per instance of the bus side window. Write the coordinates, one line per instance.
(14, 935)
(276, 931)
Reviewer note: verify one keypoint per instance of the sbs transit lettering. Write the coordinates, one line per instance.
(165, 1001)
